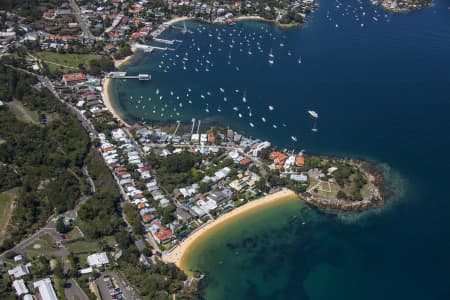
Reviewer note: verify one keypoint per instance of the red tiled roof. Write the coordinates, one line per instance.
(245, 161)
(299, 161)
(74, 77)
(62, 37)
(107, 149)
(164, 234)
(148, 218)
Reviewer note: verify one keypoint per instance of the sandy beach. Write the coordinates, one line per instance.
(119, 62)
(176, 20)
(257, 18)
(107, 100)
(250, 18)
(178, 254)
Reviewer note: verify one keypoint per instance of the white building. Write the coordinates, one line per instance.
(45, 289)
(290, 161)
(299, 177)
(256, 149)
(20, 287)
(97, 259)
(19, 271)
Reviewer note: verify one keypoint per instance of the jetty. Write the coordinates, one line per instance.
(148, 48)
(169, 42)
(123, 75)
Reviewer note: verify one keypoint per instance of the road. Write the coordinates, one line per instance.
(115, 22)
(74, 291)
(81, 20)
(48, 84)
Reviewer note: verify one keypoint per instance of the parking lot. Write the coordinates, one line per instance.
(112, 287)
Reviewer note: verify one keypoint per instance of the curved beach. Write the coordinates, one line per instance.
(107, 100)
(178, 254)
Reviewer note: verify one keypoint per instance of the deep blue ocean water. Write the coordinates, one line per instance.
(382, 92)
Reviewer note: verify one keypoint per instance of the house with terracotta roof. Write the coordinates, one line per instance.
(147, 218)
(278, 159)
(163, 235)
(299, 161)
(73, 78)
(245, 161)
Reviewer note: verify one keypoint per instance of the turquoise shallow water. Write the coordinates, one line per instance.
(382, 92)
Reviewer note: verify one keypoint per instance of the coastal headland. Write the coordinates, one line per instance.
(177, 255)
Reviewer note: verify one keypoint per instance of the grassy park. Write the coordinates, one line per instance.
(6, 209)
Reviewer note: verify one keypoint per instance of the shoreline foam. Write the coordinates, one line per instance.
(178, 254)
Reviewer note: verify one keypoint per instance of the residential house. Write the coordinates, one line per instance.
(163, 235)
(45, 289)
(183, 215)
(73, 78)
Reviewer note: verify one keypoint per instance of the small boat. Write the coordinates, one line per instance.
(294, 138)
(263, 119)
(313, 114)
(251, 124)
(235, 108)
(270, 61)
(222, 90)
(244, 98)
(240, 115)
(157, 91)
(271, 107)
(271, 54)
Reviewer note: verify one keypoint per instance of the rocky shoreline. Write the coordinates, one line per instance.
(376, 199)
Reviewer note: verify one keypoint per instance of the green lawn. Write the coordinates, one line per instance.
(23, 113)
(6, 199)
(43, 244)
(83, 246)
(73, 234)
(66, 62)
(2, 141)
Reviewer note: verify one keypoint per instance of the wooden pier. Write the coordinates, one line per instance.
(123, 75)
